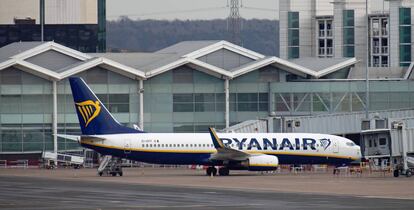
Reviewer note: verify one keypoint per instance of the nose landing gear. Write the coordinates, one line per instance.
(212, 171)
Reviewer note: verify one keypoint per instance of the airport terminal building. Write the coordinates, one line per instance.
(193, 85)
(186, 87)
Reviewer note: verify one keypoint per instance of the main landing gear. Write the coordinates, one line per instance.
(224, 171)
(212, 171)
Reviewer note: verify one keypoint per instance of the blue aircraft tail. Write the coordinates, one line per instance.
(94, 118)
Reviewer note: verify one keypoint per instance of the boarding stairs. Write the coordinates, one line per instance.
(110, 166)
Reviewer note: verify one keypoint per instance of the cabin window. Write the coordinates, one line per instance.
(350, 144)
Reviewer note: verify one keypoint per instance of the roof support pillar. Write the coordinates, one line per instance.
(54, 126)
(227, 98)
(141, 104)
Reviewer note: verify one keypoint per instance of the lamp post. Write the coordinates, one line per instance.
(366, 63)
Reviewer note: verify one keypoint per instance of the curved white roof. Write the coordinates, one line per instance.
(147, 65)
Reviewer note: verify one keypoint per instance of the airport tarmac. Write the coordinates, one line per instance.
(185, 188)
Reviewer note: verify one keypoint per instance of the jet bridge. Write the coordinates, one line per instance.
(391, 144)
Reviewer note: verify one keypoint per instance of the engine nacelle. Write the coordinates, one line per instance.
(262, 163)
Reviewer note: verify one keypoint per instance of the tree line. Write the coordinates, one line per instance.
(125, 34)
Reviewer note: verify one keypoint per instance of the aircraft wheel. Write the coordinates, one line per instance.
(208, 171)
(120, 173)
(224, 171)
(396, 173)
(211, 171)
(214, 171)
(408, 173)
(100, 173)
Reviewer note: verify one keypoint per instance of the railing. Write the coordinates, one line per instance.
(3, 163)
(376, 50)
(329, 33)
(321, 33)
(329, 50)
(321, 51)
(384, 50)
(384, 32)
(19, 164)
(375, 33)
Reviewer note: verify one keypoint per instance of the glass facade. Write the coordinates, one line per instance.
(81, 37)
(180, 100)
(25, 112)
(349, 33)
(183, 100)
(101, 26)
(293, 35)
(405, 36)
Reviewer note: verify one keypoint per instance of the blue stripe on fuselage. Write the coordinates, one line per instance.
(203, 158)
(155, 157)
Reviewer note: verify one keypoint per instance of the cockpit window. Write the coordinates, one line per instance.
(351, 144)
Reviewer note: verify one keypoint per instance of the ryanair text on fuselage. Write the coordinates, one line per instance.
(272, 144)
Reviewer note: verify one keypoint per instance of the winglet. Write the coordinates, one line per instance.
(216, 140)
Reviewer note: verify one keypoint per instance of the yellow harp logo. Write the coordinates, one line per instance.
(89, 110)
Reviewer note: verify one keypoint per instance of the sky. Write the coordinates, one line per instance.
(189, 9)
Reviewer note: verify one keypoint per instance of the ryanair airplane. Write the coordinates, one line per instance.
(231, 151)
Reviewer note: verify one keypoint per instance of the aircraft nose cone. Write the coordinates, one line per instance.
(358, 153)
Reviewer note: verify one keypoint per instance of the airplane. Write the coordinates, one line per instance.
(227, 151)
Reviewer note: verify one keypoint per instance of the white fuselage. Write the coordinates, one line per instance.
(196, 148)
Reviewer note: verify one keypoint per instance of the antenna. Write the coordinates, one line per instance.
(234, 21)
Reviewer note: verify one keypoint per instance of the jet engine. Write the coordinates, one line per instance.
(262, 163)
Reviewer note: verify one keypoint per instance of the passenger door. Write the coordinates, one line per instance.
(127, 147)
(335, 147)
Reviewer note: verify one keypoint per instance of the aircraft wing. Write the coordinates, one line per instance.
(223, 152)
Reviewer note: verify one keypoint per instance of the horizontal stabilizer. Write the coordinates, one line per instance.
(78, 138)
(69, 137)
